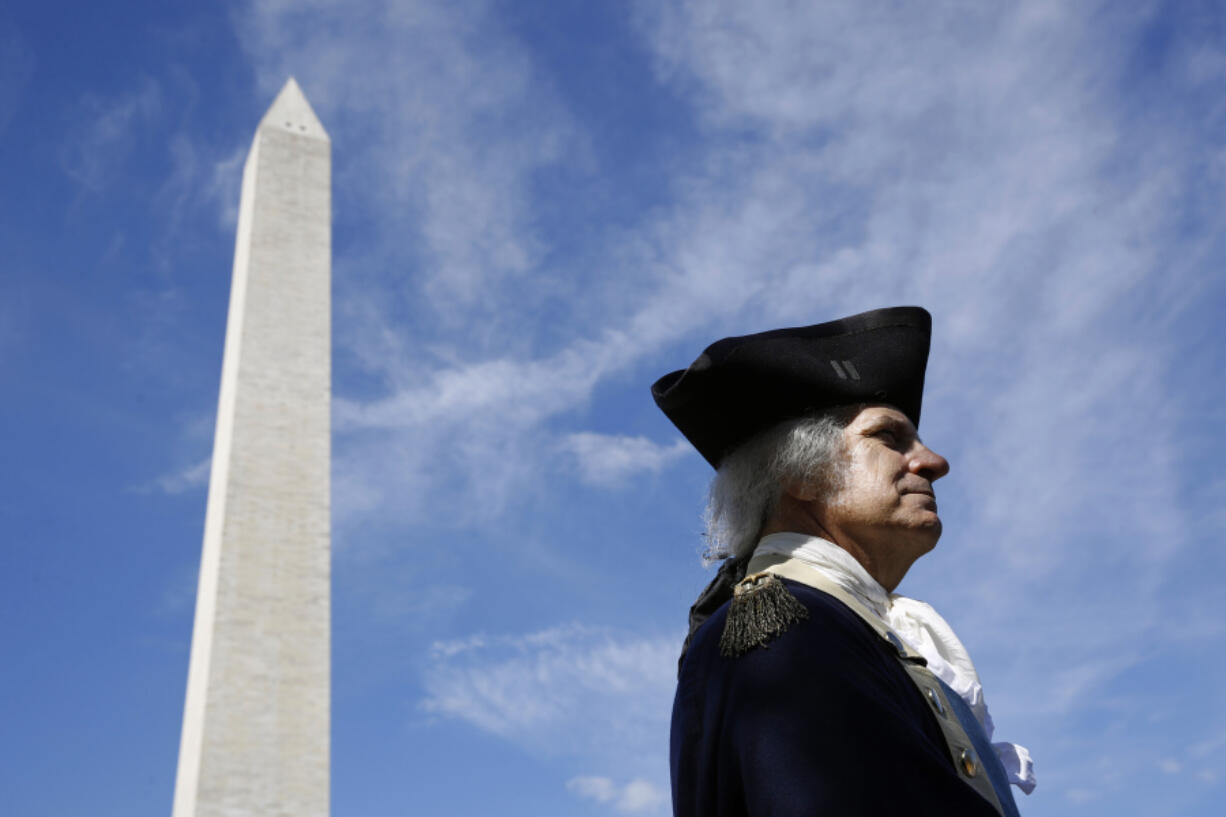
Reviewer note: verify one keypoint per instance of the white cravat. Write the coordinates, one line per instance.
(915, 622)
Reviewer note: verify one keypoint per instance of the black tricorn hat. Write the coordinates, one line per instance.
(743, 385)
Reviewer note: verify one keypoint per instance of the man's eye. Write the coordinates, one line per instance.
(887, 437)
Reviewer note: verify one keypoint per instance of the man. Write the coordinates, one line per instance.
(806, 687)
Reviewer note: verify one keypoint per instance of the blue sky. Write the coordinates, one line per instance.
(540, 208)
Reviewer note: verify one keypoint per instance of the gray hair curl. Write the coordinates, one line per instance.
(746, 489)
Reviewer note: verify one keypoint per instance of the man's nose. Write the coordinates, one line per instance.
(928, 463)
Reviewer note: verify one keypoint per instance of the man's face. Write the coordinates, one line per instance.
(885, 503)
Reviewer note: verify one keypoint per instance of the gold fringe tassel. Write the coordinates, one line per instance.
(762, 609)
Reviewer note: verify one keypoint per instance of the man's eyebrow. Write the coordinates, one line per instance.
(893, 424)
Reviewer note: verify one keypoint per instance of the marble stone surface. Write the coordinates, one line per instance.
(256, 724)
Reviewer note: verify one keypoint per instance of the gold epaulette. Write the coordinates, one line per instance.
(762, 609)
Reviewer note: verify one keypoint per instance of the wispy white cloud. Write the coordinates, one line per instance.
(203, 180)
(637, 796)
(106, 133)
(574, 690)
(184, 479)
(609, 460)
(1210, 746)
(223, 183)
(455, 127)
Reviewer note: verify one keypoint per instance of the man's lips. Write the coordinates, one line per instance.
(926, 492)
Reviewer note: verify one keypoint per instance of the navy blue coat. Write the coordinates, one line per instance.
(822, 720)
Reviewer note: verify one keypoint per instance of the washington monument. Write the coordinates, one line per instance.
(256, 725)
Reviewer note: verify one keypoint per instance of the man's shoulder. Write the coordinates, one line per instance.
(829, 639)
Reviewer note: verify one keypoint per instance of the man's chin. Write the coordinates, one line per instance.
(928, 532)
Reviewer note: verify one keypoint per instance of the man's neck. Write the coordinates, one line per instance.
(800, 516)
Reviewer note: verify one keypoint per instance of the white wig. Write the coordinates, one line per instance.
(746, 489)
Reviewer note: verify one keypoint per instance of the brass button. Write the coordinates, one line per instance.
(968, 762)
(935, 700)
